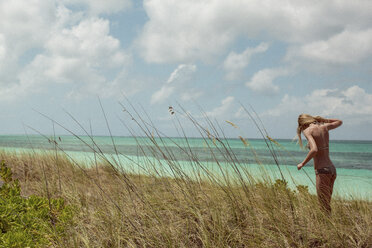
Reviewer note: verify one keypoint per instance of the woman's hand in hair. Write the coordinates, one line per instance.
(333, 123)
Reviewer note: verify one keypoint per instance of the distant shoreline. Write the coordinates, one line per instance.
(171, 137)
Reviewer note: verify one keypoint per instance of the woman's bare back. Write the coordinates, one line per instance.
(316, 133)
(320, 134)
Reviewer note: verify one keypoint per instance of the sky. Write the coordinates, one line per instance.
(211, 58)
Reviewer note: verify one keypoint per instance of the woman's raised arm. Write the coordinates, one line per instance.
(333, 123)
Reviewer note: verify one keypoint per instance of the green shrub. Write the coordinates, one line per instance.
(29, 222)
(280, 184)
(303, 189)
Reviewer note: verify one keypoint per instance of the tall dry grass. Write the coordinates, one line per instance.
(149, 211)
(116, 208)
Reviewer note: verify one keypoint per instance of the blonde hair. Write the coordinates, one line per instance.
(304, 120)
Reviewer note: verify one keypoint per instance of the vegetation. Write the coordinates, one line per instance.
(31, 221)
(121, 210)
(106, 205)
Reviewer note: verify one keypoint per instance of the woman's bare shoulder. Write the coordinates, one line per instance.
(308, 131)
(323, 128)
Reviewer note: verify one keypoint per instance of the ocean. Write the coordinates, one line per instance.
(353, 159)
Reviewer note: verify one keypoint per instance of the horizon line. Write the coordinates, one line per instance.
(189, 137)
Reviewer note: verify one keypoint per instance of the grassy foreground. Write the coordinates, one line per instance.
(114, 209)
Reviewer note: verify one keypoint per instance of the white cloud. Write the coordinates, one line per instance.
(3, 58)
(2, 47)
(346, 47)
(162, 94)
(89, 44)
(26, 23)
(81, 55)
(262, 81)
(353, 104)
(224, 109)
(43, 43)
(188, 30)
(182, 74)
(23, 25)
(97, 7)
(191, 94)
(235, 63)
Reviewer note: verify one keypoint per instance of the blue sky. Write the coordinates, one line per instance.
(281, 57)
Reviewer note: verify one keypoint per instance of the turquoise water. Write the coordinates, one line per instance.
(351, 158)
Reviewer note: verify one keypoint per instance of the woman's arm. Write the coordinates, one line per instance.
(333, 123)
(311, 153)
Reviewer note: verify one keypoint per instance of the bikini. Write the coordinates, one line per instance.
(326, 170)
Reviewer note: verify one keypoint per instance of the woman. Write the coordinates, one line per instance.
(316, 130)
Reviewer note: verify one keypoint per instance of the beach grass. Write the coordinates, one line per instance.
(115, 209)
(167, 206)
